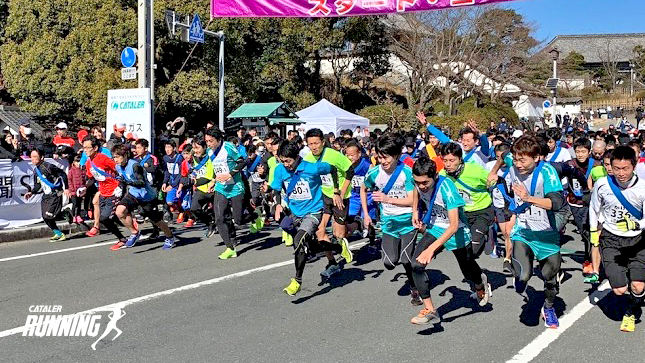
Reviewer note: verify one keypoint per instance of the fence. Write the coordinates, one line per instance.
(629, 104)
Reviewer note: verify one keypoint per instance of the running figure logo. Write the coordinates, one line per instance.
(116, 313)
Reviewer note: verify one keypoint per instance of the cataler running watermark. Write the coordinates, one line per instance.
(48, 324)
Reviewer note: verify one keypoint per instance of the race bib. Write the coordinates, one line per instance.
(533, 215)
(618, 213)
(357, 181)
(300, 192)
(397, 192)
(575, 185)
(201, 173)
(327, 180)
(222, 168)
(172, 168)
(440, 216)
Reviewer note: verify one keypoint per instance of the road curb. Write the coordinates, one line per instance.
(36, 232)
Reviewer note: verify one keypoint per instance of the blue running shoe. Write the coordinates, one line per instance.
(550, 318)
(169, 243)
(133, 239)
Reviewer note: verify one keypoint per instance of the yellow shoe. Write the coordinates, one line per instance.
(346, 252)
(293, 288)
(628, 324)
(288, 239)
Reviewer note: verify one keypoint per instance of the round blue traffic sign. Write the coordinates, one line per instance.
(128, 57)
(546, 104)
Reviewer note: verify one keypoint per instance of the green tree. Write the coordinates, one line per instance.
(639, 62)
(60, 57)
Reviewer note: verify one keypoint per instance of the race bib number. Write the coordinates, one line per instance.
(327, 180)
(397, 192)
(618, 213)
(575, 185)
(357, 181)
(300, 192)
(533, 215)
(222, 168)
(199, 173)
(440, 216)
(172, 168)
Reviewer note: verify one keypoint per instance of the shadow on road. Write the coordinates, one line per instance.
(532, 309)
(347, 276)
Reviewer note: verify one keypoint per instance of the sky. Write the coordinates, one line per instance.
(567, 17)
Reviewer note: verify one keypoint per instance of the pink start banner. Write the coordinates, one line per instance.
(328, 8)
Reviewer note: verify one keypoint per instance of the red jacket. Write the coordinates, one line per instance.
(76, 178)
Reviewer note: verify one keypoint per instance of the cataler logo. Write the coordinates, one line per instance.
(75, 325)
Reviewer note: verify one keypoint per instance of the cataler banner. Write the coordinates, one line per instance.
(328, 8)
(132, 107)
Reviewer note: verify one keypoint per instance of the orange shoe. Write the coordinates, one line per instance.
(180, 217)
(190, 223)
(117, 246)
(587, 268)
(93, 231)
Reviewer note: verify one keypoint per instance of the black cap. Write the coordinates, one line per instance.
(25, 121)
(410, 142)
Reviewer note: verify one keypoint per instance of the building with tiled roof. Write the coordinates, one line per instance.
(596, 47)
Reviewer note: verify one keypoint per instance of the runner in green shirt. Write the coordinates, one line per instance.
(335, 204)
(471, 179)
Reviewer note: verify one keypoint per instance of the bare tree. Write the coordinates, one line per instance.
(609, 60)
(437, 49)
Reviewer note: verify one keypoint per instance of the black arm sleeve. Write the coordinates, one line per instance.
(334, 176)
(557, 200)
(349, 174)
(239, 166)
(90, 182)
(201, 181)
(59, 173)
(37, 187)
(277, 196)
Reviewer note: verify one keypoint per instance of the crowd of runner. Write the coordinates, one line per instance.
(411, 195)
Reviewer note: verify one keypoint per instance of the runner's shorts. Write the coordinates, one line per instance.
(149, 208)
(340, 216)
(623, 258)
(51, 205)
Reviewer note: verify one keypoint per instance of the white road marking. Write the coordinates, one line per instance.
(143, 238)
(19, 330)
(547, 337)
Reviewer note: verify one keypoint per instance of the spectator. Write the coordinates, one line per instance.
(639, 116)
(61, 137)
(26, 139)
(503, 125)
(176, 128)
(77, 178)
(253, 132)
(117, 136)
(48, 147)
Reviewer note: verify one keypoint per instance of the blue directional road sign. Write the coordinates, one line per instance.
(546, 104)
(196, 32)
(128, 57)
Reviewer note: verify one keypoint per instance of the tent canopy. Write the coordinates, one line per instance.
(330, 118)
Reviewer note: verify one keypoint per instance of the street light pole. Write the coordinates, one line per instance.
(221, 80)
(555, 54)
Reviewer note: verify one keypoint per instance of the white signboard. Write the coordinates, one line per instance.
(132, 107)
(16, 178)
(128, 73)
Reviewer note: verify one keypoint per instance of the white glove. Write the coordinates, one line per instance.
(118, 192)
(81, 191)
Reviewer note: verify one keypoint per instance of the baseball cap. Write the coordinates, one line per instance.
(81, 135)
(131, 136)
(25, 121)
(120, 126)
(61, 125)
(517, 134)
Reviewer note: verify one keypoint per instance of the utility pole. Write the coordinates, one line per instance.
(146, 54)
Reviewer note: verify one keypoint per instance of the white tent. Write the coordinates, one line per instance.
(330, 118)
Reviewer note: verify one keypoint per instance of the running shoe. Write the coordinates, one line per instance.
(180, 217)
(169, 243)
(212, 229)
(132, 239)
(592, 279)
(628, 324)
(154, 234)
(57, 237)
(228, 253)
(507, 266)
(78, 219)
(293, 288)
(190, 223)
(117, 246)
(415, 298)
(484, 295)
(346, 252)
(587, 268)
(287, 238)
(330, 270)
(426, 316)
(550, 318)
(93, 231)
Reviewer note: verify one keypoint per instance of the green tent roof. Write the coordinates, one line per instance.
(259, 110)
(275, 121)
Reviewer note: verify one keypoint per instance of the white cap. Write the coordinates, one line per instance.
(120, 126)
(61, 125)
(517, 134)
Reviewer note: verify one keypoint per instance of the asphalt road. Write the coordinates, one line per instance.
(186, 305)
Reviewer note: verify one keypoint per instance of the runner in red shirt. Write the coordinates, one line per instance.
(101, 169)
